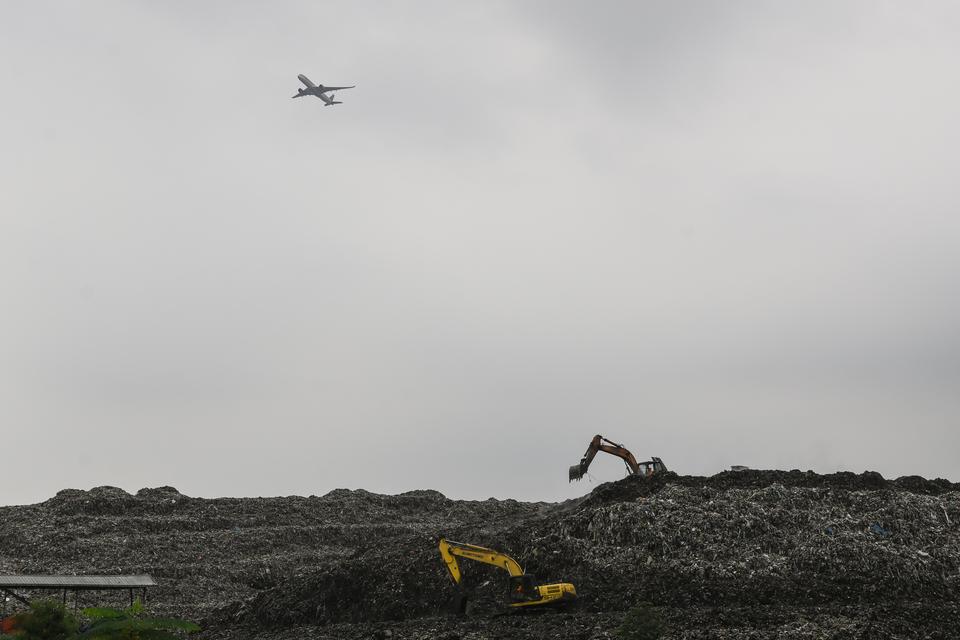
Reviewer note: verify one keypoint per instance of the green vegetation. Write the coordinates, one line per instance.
(642, 622)
(48, 620)
(129, 624)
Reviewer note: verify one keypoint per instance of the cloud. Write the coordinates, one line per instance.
(720, 233)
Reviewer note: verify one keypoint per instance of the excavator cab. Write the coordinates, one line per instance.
(523, 588)
(651, 467)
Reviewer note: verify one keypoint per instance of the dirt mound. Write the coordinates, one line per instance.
(776, 544)
(724, 542)
(160, 493)
(907, 621)
(633, 487)
(748, 554)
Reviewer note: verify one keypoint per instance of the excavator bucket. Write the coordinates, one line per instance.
(576, 472)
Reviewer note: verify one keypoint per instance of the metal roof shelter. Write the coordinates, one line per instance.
(74, 583)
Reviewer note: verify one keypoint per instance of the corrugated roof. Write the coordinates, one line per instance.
(76, 582)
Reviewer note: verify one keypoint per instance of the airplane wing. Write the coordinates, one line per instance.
(305, 80)
(338, 88)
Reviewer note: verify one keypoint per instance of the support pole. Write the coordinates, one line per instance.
(16, 596)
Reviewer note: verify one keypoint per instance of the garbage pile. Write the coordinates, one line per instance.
(746, 554)
(807, 546)
(801, 553)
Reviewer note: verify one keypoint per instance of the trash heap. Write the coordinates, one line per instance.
(778, 548)
(687, 546)
(751, 554)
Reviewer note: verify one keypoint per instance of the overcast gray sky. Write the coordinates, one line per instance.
(719, 232)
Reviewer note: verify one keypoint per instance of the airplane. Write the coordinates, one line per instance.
(318, 90)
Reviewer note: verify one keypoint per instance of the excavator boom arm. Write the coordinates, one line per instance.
(450, 551)
(590, 454)
(599, 443)
(622, 452)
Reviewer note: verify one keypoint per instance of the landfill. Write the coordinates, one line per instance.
(738, 555)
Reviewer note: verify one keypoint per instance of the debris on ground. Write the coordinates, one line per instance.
(742, 554)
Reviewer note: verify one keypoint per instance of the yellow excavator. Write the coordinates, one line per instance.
(599, 443)
(524, 593)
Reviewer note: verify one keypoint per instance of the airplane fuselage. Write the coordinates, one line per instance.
(313, 91)
(317, 90)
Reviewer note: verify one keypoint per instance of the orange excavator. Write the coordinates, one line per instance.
(647, 468)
